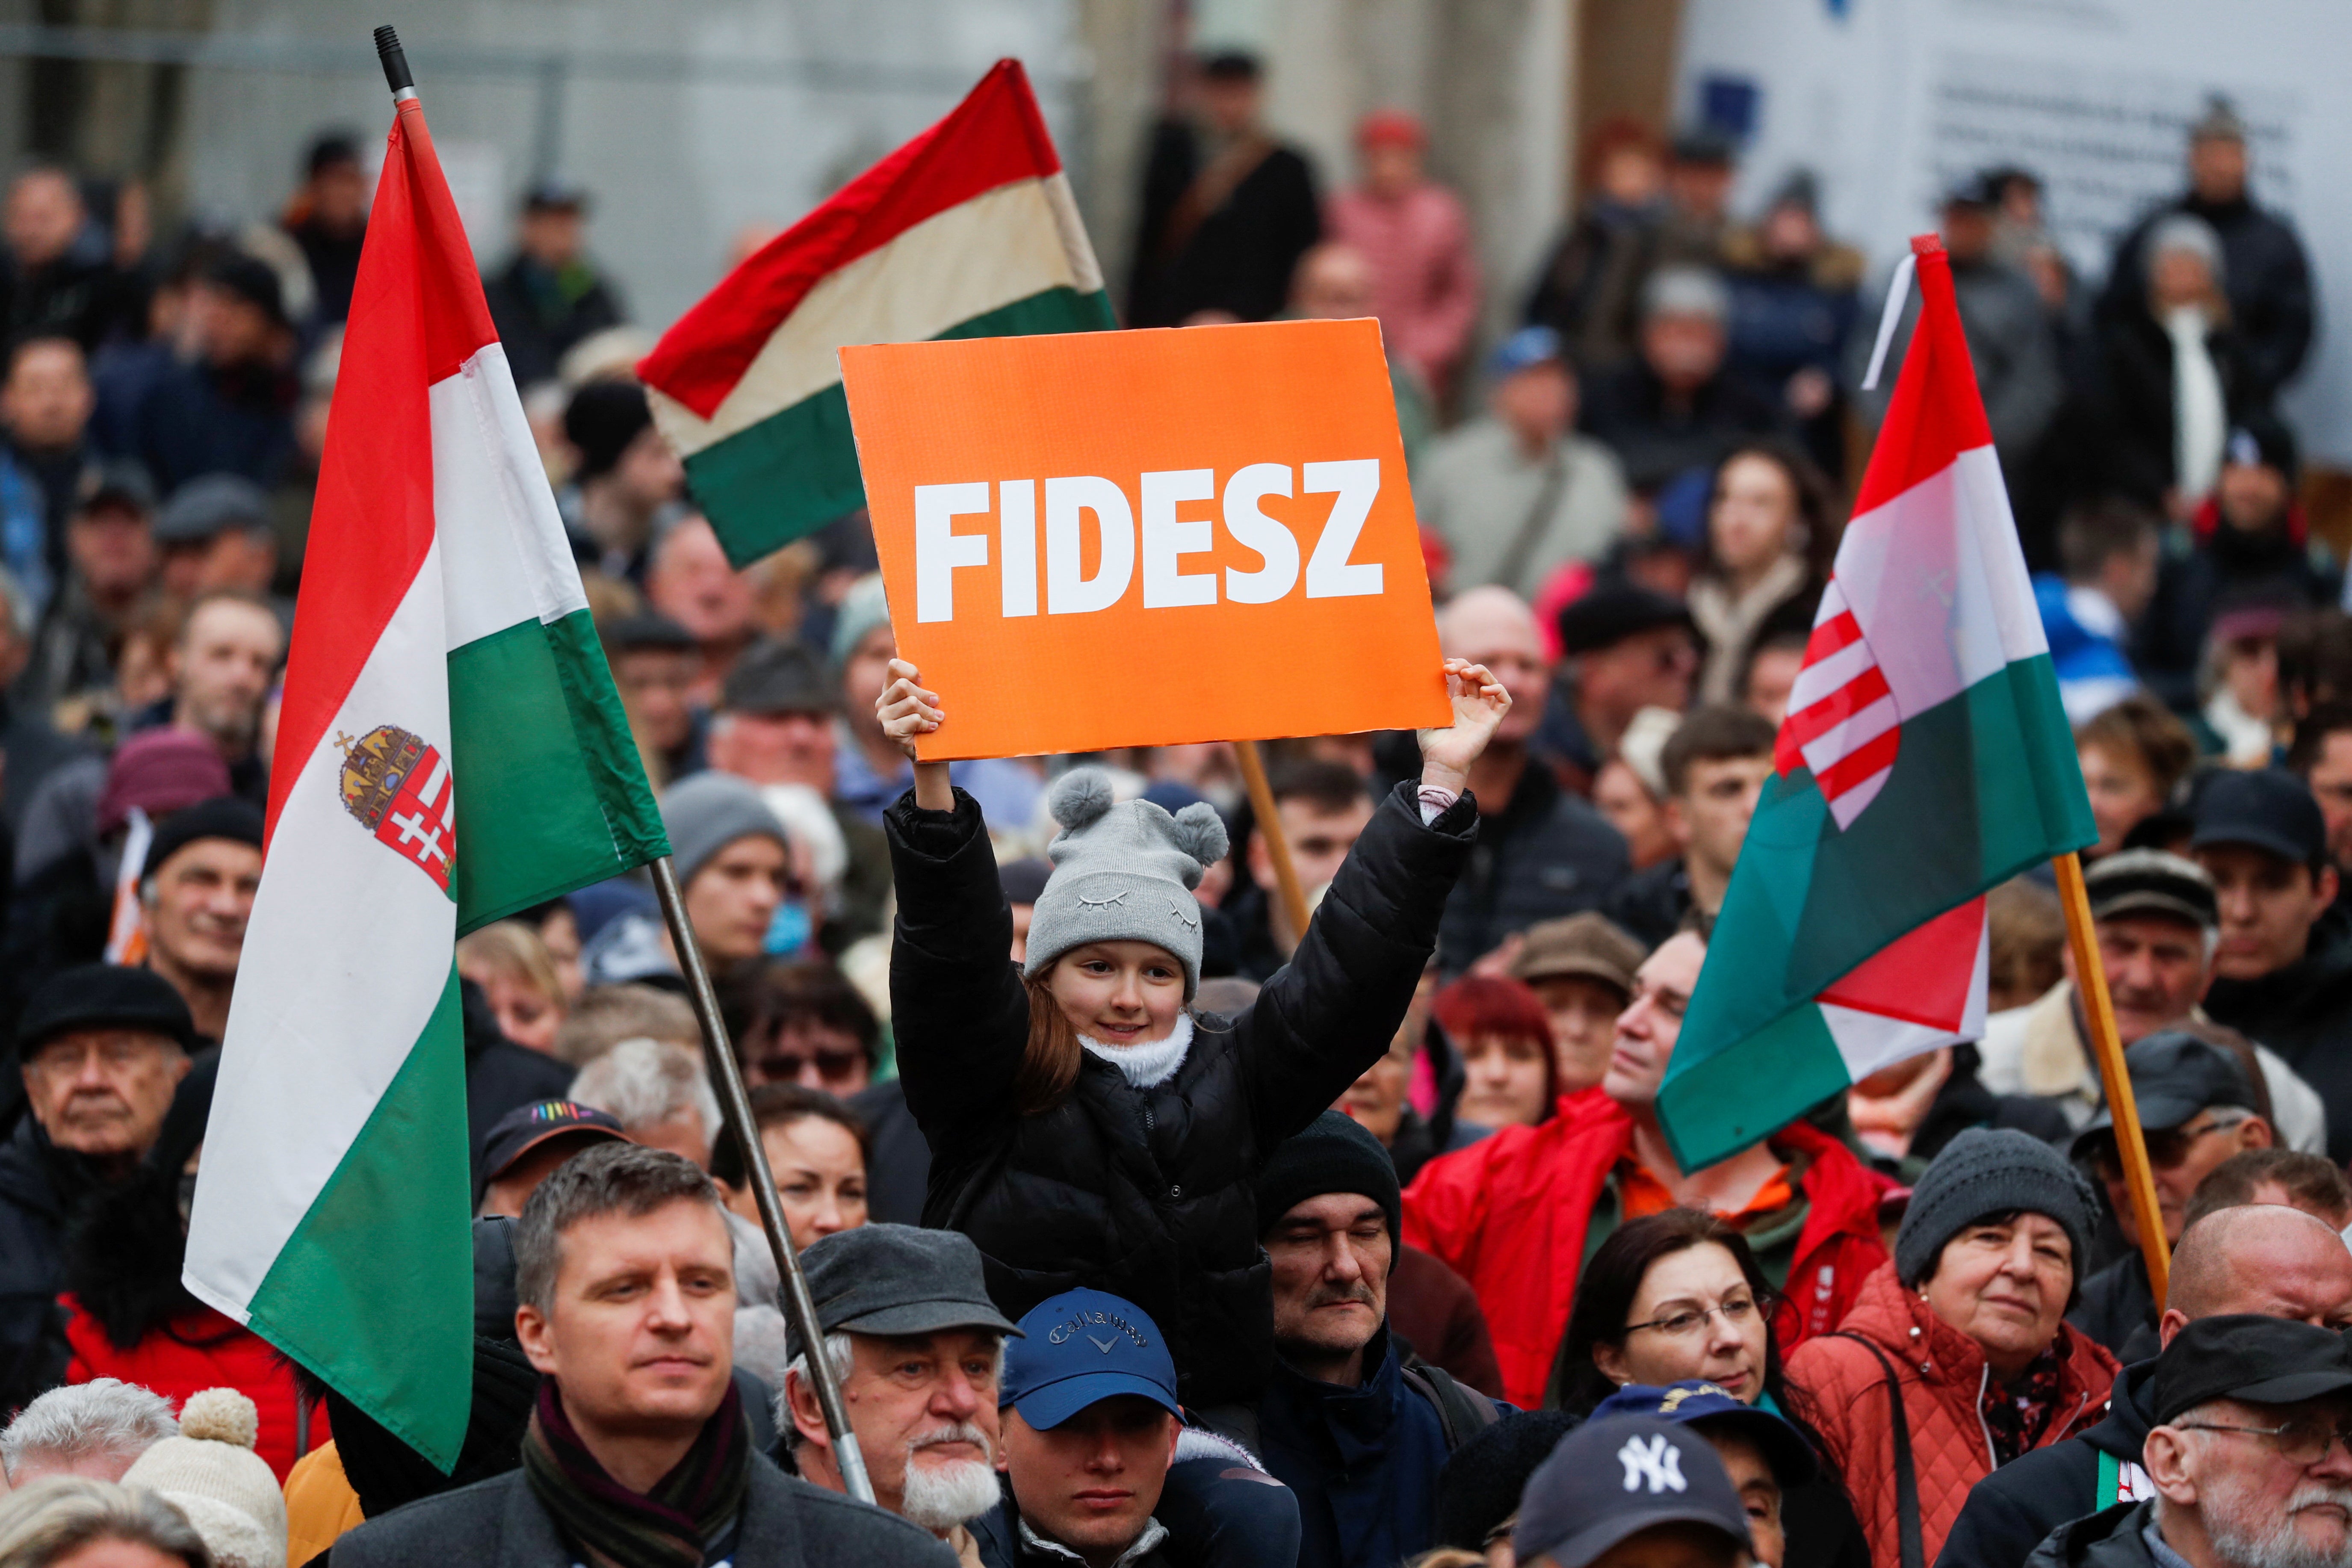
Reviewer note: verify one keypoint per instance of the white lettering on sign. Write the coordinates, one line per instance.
(1165, 539)
(1066, 499)
(939, 549)
(1016, 534)
(1329, 574)
(1246, 521)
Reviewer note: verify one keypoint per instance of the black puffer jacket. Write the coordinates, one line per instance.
(2018, 1505)
(1146, 1193)
(2113, 1538)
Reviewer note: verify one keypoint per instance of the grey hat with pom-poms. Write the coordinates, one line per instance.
(1123, 871)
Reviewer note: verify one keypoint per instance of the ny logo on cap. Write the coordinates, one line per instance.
(1657, 1461)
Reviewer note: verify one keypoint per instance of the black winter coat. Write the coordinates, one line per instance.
(2112, 1538)
(41, 1188)
(2012, 1510)
(1146, 1193)
(2303, 1012)
(1546, 853)
(2263, 270)
(2136, 400)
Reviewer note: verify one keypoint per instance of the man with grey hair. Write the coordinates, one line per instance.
(659, 1094)
(1674, 408)
(2248, 1461)
(919, 1349)
(637, 1450)
(2158, 919)
(92, 1429)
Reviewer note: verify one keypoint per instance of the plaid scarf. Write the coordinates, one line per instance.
(611, 1525)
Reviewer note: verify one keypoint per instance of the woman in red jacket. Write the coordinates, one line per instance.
(1956, 1357)
(127, 1315)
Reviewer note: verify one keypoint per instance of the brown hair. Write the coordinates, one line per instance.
(2026, 928)
(2141, 727)
(783, 1105)
(2313, 1181)
(1612, 1278)
(1049, 1063)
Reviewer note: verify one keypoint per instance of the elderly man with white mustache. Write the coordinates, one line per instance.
(2250, 1458)
(920, 1352)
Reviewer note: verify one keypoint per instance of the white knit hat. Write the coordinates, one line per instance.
(211, 1473)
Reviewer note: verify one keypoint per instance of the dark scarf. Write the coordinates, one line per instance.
(611, 1525)
(2017, 1414)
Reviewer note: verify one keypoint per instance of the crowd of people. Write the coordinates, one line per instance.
(1144, 1225)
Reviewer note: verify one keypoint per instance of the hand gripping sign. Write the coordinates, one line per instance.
(1147, 538)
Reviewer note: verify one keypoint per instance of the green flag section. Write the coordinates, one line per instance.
(1925, 758)
(967, 231)
(450, 750)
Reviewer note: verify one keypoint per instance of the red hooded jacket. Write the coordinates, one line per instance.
(1510, 1215)
(195, 1351)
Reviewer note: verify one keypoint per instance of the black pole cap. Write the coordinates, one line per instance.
(395, 61)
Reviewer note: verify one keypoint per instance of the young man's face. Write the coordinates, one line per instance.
(1710, 817)
(2331, 782)
(1653, 1021)
(1092, 1482)
(641, 1331)
(2268, 903)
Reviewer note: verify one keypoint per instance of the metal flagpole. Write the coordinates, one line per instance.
(719, 1056)
(1278, 847)
(2099, 1013)
(735, 1110)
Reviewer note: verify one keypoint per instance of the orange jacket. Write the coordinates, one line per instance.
(1510, 1214)
(1841, 1388)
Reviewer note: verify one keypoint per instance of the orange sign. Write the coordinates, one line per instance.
(1147, 538)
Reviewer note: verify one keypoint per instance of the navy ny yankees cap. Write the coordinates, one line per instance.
(1616, 1477)
(1082, 1347)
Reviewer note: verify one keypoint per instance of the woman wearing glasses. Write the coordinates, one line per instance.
(1956, 1358)
(1679, 1295)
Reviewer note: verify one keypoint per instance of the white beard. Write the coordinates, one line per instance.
(940, 1496)
(2274, 1542)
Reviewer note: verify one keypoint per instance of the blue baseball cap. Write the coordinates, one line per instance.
(1695, 1399)
(1082, 1347)
(1528, 347)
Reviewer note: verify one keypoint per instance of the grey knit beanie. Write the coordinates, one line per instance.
(1989, 1171)
(707, 812)
(1123, 873)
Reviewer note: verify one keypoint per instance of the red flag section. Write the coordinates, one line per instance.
(417, 314)
(995, 136)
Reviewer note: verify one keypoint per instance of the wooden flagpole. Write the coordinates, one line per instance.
(2106, 1045)
(1278, 847)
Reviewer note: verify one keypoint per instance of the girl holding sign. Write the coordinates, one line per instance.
(1086, 1126)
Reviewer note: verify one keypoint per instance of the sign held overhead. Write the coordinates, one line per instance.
(1147, 538)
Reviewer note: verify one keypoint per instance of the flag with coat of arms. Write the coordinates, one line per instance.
(450, 750)
(1925, 759)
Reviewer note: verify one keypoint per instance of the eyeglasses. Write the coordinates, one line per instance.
(1735, 1311)
(786, 1066)
(2297, 1442)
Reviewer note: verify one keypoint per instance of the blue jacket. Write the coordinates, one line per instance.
(2087, 656)
(1362, 1461)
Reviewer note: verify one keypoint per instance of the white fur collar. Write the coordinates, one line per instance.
(1151, 1065)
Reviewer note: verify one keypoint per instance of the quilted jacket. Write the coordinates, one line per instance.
(1513, 1215)
(1841, 1388)
(1146, 1193)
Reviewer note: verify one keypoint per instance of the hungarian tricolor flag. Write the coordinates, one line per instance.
(1925, 759)
(450, 750)
(968, 231)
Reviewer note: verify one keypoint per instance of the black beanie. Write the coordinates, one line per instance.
(602, 419)
(1334, 1155)
(1479, 1486)
(223, 816)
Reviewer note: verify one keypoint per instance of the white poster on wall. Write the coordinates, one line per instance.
(1892, 101)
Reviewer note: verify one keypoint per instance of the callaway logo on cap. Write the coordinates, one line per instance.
(1085, 1346)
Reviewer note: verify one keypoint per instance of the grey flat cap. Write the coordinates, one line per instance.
(898, 1279)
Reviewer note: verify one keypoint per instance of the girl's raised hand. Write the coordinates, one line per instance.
(1479, 703)
(905, 709)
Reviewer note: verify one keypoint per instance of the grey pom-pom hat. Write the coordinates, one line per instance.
(1123, 871)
